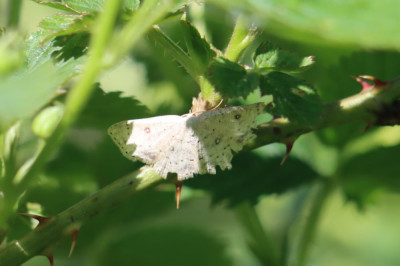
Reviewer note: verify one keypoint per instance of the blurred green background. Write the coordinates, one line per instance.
(359, 223)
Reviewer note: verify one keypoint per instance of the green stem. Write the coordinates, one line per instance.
(80, 93)
(260, 243)
(9, 193)
(45, 236)
(368, 107)
(309, 229)
(14, 10)
(242, 37)
(146, 16)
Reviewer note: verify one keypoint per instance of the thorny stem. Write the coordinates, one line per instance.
(368, 107)
(361, 107)
(46, 235)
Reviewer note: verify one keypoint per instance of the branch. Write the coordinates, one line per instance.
(43, 238)
(375, 105)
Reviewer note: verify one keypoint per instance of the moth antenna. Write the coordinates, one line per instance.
(215, 107)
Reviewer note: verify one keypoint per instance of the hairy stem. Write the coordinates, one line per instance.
(242, 37)
(366, 106)
(374, 107)
(49, 232)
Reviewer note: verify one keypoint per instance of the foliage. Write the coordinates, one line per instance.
(57, 161)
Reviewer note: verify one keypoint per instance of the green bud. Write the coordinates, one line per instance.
(47, 120)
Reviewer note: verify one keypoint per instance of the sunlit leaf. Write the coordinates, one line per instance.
(270, 57)
(232, 79)
(292, 98)
(199, 49)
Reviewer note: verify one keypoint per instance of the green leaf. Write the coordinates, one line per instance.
(198, 48)
(62, 37)
(369, 172)
(86, 5)
(72, 46)
(57, 5)
(105, 109)
(231, 79)
(252, 177)
(62, 25)
(132, 4)
(270, 57)
(363, 23)
(23, 94)
(78, 6)
(292, 98)
(38, 53)
(196, 247)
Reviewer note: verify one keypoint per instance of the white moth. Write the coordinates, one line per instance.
(189, 144)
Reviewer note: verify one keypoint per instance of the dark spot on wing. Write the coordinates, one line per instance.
(238, 116)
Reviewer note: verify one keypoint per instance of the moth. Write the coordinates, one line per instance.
(195, 143)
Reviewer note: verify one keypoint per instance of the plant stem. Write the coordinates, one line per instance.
(309, 228)
(371, 107)
(14, 10)
(47, 234)
(260, 244)
(242, 37)
(80, 93)
(146, 16)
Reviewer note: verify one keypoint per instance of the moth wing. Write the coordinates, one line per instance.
(182, 156)
(222, 131)
(146, 139)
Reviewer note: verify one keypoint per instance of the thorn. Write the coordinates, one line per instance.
(367, 127)
(74, 236)
(366, 86)
(178, 186)
(270, 105)
(41, 219)
(289, 146)
(50, 257)
(378, 82)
